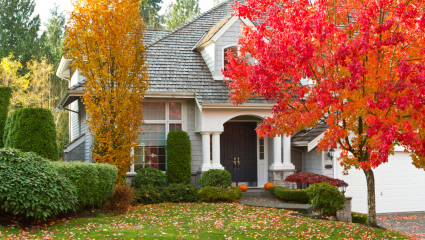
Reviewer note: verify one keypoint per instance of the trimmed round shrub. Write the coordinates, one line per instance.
(326, 198)
(182, 192)
(149, 176)
(94, 181)
(32, 130)
(32, 188)
(218, 194)
(150, 194)
(216, 178)
(5, 94)
(178, 157)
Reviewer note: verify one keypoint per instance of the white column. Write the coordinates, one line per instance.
(216, 151)
(277, 154)
(206, 163)
(287, 153)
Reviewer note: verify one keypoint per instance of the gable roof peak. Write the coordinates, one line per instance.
(189, 22)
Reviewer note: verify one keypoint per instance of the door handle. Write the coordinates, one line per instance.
(239, 164)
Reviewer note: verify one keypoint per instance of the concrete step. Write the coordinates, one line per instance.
(256, 192)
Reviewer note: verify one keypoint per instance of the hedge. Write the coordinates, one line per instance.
(31, 188)
(5, 94)
(178, 157)
(94, 181)
(359, 217)
(32, 130)
(288, 195)
(150, 194)
(216, 178)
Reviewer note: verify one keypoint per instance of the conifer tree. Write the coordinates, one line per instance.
(18, 29)
(149, 13)
(181, 12)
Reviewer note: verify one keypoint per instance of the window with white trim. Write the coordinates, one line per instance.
(160, 118)
(233, 49)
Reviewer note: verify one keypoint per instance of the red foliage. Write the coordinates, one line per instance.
(311, 178)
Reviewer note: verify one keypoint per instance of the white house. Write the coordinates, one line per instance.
(187, 92)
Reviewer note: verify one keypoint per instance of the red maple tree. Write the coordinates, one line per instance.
(358, 66)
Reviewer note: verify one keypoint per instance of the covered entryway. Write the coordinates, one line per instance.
(238, 153)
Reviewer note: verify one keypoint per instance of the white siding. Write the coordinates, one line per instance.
(74, 121)
(195, 138)
(208, 55)
(313, 162)
(230, 37)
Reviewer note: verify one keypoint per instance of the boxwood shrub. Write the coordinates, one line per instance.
(5, 94)
(359, 217)
(326, 198)
(32, 130)
(149, 194)
(94, 181)
(216, 178)
(218, 194)
(31, 188)
(178, 157)
(288, 195)
(149, 176)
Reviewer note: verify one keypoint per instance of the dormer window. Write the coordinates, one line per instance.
(233, 49)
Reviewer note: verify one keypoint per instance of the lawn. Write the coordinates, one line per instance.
(200, 221)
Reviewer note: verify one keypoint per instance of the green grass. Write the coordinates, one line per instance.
(201, 221)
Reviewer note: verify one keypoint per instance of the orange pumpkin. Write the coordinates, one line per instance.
(242, 187)
(268, 185)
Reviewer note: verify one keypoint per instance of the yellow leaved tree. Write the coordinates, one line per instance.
(105, 40)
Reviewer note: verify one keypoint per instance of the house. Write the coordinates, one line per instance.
(187, 92)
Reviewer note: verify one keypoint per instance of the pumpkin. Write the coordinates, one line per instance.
(268, 185)
(242, 187)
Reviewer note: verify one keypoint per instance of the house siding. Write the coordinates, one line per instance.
(230, 37)
(195, 138)
(313, 161)
(208, 55)
(75, 132)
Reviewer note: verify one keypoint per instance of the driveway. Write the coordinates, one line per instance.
(412, 223)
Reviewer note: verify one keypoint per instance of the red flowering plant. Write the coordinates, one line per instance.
(312, 178)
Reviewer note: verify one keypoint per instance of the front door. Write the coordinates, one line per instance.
(239, 142)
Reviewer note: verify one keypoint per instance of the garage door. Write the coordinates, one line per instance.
(400, 187)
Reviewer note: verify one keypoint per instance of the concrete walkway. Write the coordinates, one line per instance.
(412, 224)
(267, 201)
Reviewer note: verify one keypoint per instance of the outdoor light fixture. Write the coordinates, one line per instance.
(343, 185)
(331, 153)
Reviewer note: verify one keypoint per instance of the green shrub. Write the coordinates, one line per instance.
(178, 157)
(5, 94)
(32, 130)
(149, 194)
(326, 198)
(218, 194)
(94, 182)
(182, 192)
(31, 187)
(359, 217)
(288, 195)
(149, 176)
(216, 178)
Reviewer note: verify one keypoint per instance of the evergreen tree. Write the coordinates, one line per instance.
(18, 29)
(180, 12)
(53, 36)
(149, 12)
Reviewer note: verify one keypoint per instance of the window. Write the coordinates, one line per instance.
(233, 50)
(261, 148)
(160, 118)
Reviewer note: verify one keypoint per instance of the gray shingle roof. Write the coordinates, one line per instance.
(309, 134)
(175, 67)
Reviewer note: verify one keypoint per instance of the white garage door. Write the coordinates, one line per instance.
(400, 187)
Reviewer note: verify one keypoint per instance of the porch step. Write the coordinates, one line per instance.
(256, 192)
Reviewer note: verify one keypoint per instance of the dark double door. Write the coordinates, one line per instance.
(239, 141)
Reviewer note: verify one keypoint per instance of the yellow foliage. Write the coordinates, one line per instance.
(9, 77)
(105, 40)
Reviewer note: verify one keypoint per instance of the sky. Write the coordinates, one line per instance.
(42, 7)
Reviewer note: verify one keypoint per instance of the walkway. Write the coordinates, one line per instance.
(275, 203)
(412, 224)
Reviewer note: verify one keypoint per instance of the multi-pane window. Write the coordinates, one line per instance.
(261, 143)
(233, 50)
(160, 118)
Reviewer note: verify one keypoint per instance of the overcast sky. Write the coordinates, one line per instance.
(43, 7)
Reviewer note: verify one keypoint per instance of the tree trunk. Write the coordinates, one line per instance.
(371, 200)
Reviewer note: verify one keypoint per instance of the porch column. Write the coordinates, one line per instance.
(206, 163)
(277, 154)
(216, 151)
(287, 153)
